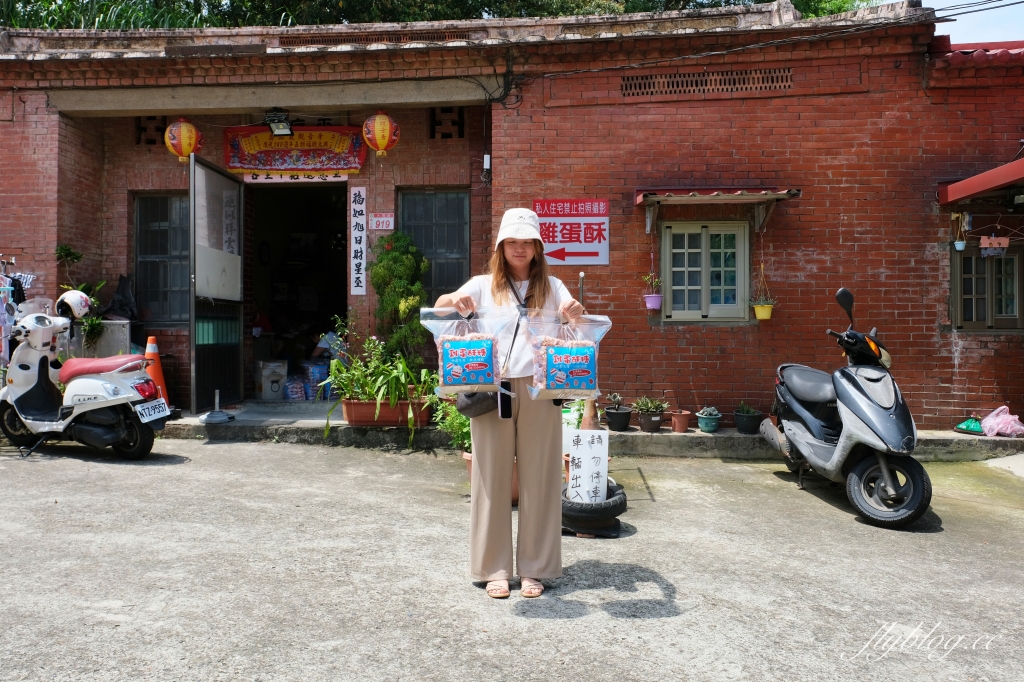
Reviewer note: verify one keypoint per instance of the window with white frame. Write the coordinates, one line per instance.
(986, 291)
(705, 268)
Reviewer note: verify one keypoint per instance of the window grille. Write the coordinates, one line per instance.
(706, 82)
(438, 223)
(162, 258)
(446, 123)
(705, 271)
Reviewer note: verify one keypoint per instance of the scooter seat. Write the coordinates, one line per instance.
(809, 385)
(76, 367)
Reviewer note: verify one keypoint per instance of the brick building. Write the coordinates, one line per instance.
(718, 140)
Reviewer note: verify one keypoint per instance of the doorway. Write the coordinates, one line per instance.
(299, 266)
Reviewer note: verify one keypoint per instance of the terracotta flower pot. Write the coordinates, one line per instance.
(364, 413)
(468, 456)
(680, 421)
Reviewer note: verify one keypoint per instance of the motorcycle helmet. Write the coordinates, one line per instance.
(73, 304)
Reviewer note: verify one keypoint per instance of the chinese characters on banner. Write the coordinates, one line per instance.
(382, 221)
(588, 465)
(357, 219)
(310, 153)
(574, 231)
(231, 221)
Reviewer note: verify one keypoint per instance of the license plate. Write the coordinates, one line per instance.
(152, 410)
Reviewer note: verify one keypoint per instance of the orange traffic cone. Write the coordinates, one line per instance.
(156, 370)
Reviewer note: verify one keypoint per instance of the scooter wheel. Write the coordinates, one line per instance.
(14, 429)
(138, 439)
(913, 488)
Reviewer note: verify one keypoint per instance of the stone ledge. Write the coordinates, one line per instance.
(933, 446)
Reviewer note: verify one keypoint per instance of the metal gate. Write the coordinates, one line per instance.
(215, 211)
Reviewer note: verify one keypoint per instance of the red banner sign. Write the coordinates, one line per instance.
(310, 153)
(574, 231)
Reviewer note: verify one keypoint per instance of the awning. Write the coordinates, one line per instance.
(990, 181)
(763, 198)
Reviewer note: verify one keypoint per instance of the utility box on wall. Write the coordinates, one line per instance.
(115, 340)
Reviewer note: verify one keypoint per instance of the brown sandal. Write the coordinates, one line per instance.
(498, 589)
(533, 590)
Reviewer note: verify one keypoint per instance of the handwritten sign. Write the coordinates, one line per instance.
(357, 221)
(588, 465)
(574, 231)
(382, 221)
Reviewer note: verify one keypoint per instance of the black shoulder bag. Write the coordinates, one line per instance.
(481, 403)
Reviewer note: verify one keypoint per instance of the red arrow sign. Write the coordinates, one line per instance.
(562, 254)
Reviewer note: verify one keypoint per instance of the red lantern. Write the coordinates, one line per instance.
(380, 132)
(182, 139)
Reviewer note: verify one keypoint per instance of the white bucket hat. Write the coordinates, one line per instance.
(518, 223)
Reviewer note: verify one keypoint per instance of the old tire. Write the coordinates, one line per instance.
(14, 429)
(612, 507)
(863, 486)
(138, 439)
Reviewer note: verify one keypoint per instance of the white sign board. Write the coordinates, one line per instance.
(574, 231)
(358, 245)
(382, 221)
(588, 465)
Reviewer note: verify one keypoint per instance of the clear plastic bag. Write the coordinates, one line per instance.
(565, 354)
(470, 351)
(1002, 423)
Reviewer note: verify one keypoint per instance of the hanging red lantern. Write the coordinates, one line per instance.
(182, 139)
(380, 132)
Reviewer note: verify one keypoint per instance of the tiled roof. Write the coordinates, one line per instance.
(34, 44)
(975, 55)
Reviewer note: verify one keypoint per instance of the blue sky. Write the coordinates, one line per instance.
(998, 25)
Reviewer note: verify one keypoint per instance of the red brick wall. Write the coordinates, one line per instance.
(29, 134)
(79, 182)
(868, 164)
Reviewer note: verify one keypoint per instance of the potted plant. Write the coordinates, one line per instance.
(650, 412)
(652, 294)
(763, 307)
(379, 389)
(762, 301)
(456, 425)
(617, 415)
(707, 419)
(748, 420)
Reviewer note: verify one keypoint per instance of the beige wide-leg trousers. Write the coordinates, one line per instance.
(532, 438)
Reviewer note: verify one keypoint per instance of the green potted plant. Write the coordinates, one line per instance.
(618, 416)
(707, 419)
(652, 293)
(762, 301)
(651, 412)
(397, 273)
(376, 388)
(748, 420)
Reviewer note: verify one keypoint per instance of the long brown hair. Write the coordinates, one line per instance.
(539, 288)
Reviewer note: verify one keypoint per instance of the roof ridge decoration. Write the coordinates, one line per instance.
(37, 44)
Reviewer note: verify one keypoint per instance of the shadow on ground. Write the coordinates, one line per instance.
(83, 453)
(625, 579)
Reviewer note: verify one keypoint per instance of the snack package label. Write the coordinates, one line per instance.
(571, 367)
(467, 362)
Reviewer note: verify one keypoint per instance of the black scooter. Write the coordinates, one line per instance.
(853, 426)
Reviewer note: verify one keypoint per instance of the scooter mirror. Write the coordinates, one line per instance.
(844, 297)
(10, 309)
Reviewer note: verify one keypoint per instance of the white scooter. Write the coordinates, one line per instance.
(106, 401)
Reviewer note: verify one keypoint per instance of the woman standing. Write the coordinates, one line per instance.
(518, 260)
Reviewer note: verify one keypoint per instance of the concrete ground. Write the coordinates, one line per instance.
(286, 562)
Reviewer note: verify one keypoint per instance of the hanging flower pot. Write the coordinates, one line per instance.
(762, 301)
(960, 245)
(763, 311)
(653, 301)
(652, 295)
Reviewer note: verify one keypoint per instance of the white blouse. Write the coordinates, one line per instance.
(520, 364)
